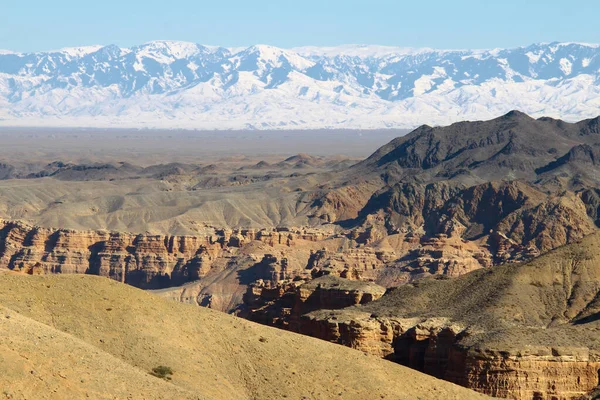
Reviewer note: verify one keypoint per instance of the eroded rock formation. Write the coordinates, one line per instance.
(144, 260)
(524, 331)
(283, 304)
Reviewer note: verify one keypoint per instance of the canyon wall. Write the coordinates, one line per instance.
(143, 260)
(432, 346)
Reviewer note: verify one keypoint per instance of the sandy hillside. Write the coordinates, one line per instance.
(90, 337)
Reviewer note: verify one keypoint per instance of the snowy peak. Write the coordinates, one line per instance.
(181, 84)
(263, 57)
(358, 50)
(77, 52)
(169, 51)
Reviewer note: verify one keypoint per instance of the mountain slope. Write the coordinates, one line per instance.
(180, 84)
(100, 323)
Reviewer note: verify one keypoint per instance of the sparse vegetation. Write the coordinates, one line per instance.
(578, 255)
(162, 372)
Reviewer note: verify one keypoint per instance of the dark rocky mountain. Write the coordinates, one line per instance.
(433, 166)
(514, 146)
(444, 201)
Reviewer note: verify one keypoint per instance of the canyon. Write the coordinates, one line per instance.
(466, 252)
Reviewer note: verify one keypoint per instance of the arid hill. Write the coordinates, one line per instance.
(89, 337)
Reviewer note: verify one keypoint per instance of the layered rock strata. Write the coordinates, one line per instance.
(284, 303)
(144, 260)
(523, 331)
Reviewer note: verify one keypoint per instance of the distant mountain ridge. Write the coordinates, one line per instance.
(170, 84)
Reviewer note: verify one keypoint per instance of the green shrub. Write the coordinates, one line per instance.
(162, 372)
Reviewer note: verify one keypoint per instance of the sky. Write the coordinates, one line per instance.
(38, 25)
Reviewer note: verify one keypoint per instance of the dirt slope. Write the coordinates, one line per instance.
(85, 335)
(36, 365)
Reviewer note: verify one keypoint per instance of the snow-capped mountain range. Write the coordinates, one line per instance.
(168, 84)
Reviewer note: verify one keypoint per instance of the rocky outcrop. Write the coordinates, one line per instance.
(473, 212)
(282, 304)
(433, 346)
(546, 376)
(331, 293)
(558, 220)
(270, 304)
(272, 269)
(523, 331)
(459, 229)
(440, 255)
(352, 263)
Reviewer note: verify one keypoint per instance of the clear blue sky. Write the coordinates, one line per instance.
(44, 25)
